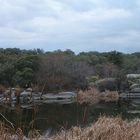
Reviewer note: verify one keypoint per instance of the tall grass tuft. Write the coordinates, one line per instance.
(93, 96)
(104, 129)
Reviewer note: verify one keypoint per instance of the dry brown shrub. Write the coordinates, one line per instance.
(2, 88)
(109, 96)
(93, 96)
(104, 129)
(8, 132)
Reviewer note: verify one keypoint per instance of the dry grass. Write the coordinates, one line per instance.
(109, 96)
(2, 89)
(104, 129)
(9, 133)
(93, 96)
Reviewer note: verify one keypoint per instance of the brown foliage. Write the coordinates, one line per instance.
(93, 96)
(104, 129)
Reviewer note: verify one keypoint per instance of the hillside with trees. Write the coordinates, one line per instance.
(63, 70)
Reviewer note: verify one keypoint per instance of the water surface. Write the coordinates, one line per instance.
(51, 118)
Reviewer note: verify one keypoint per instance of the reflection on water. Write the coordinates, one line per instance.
(50, 118)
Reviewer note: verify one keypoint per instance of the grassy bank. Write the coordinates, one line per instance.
(104, 129)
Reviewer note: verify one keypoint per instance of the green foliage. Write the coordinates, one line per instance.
(23, 77)
(69, 52)
(17, 66)
(92, 79)
(115, 58)
(64, 69)
(107, 84)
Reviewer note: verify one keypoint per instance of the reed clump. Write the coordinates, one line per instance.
(104, 129)
(8, 132)
(93, 96)
(109, 96)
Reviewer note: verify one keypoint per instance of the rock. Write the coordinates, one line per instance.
(107, 84)
(28, 97)
(68, 93)
(59, 96)
(63, 101)
(25, 93)
(133, 76)
(29, 89)
(134, 111)
(133, 86)
(136, 90)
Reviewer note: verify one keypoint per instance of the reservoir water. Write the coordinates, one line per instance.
(51, 118)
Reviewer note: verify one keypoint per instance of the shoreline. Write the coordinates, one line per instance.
(105, 128)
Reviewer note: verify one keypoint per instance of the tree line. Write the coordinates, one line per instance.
(62, 70)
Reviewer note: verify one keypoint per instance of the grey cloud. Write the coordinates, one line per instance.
(75, 24)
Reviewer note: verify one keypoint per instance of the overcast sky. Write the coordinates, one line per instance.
(79, 25)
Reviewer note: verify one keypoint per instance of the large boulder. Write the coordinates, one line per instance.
(107, 84)
(133, 78)
(133, 86)
(135, 90)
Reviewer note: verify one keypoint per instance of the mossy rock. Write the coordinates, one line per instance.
(107, 84)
